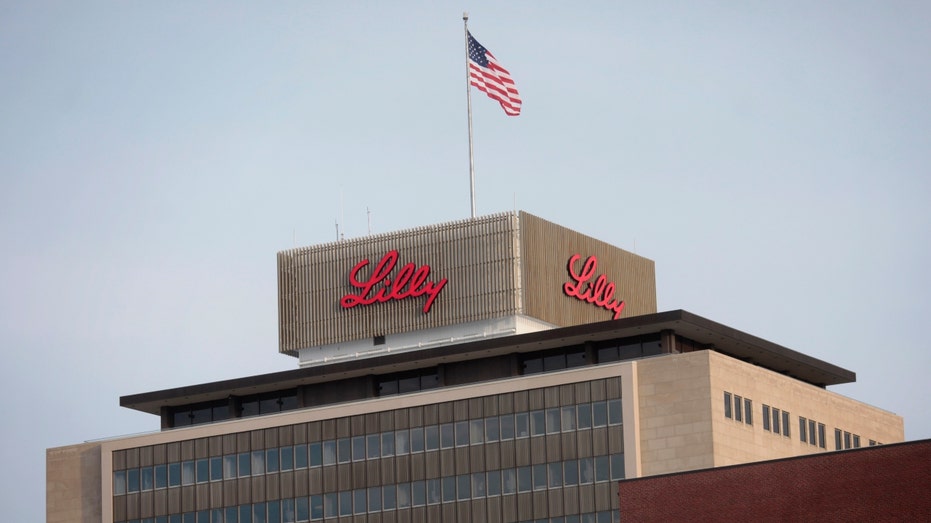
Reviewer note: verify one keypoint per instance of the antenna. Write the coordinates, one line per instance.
(336, 222)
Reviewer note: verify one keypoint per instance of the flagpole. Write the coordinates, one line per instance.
(465, 24)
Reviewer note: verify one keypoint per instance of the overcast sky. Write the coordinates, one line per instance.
(773, 158)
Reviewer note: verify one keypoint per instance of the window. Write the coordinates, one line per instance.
(802, 429)
(748, 411)
(775, 420)
(585, 416)
(837, 440)
(216, 468)
(738, 415)
(492, 428)
(600, 413)
(846, 440)
(766, 418)
(785, 424)
(476, 431)
(272, 461)
(615, 412)
(821, 437)
(568, 418)
(493, 482)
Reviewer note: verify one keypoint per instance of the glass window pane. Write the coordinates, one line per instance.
(258, 462)
(274, 512)
(537, 423)
(286, 455)
(245, 464)
(476, 431)
(188, 475)
(748, 412)
(245, 513)
(554, 473)
(785, 424)
(491, 429)
(229, 466)
(508, 481)
(203, 470)
(402, 442)
(432, 436)
(161, 476)
(216, 468)
(287, 510)
(447, 437)
(358, 448)
(463, 486)
(571, 472)
(553, 418)
(271, 460)
(373, 446)
(330, 505)
(304, 454)
(119, 482)
(524, 479)
(316, 507)
(302, 509)
(387, 444)
(602, 468)
(148, 478)
(419, 493)
(599, 413)
(231, 514)
(174, 474)
(522, 425)
(374, 499)
(258, 513)
(478, 484)
(493, 482)
(343, 450)
(507, 426)
(586, 470)
(388, 501)
(449, 488)
(585, 416)
(567, 415)
(320, 453)
(404, 495)
(738, 412)
(615, 414)
(539, 476)
(462, 433)
(617, 467)
(345, 503)
(417, 441)
(433, 491)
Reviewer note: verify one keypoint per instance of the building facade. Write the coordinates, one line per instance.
(502, 369)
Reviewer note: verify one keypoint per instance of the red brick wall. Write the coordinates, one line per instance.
(884, 483)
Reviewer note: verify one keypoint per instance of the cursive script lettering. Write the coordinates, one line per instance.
(410, 282)
(600, 293)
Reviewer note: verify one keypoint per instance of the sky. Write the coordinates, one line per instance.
(773, 158)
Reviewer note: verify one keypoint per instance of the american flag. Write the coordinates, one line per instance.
(486, 74)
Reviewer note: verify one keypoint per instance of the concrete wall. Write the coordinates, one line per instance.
(73, 484)
(683, 424)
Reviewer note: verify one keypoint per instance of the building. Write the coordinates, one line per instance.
(497, 369)
(885, 483)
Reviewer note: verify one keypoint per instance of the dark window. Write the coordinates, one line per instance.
(727, 405)
(738, 411)
(838, 445)
(856, 441)
(802, 429)
(821, 437)
(607, 354)
(785, 424)
(775, 420)
(748, 412)
(766, 418)
(379, 340)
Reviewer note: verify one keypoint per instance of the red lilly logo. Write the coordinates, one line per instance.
(600, 292)
(410, 282)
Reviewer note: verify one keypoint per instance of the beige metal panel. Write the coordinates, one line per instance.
(478, 257)
(545, 252)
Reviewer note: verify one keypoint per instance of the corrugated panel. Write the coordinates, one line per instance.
(545, 252)
(478, 257)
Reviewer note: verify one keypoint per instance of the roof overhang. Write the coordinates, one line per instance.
(716, 336)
